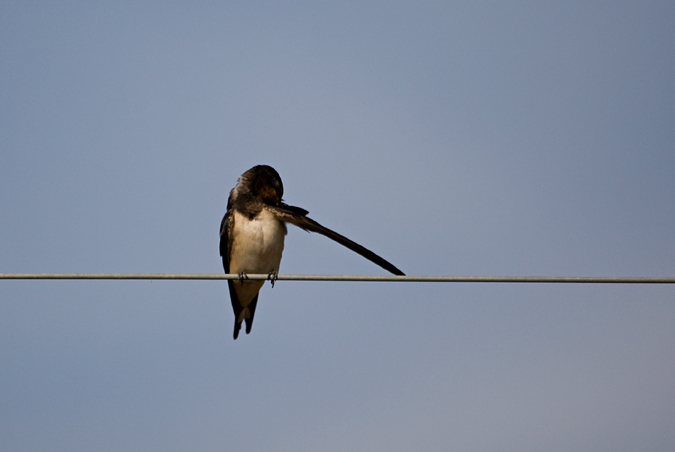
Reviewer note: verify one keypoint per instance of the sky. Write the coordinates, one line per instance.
(481, 138)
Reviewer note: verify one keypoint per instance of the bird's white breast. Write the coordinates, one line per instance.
(257, 245)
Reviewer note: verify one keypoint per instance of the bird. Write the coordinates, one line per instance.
(252, 238)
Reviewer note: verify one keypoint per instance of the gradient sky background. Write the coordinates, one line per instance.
(452, 138)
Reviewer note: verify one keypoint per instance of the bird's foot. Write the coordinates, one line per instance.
(272, 276)
(242, 277)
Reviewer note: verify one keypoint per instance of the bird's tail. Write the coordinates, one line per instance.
(244, 314)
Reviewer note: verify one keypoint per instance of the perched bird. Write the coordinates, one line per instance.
(252, 237)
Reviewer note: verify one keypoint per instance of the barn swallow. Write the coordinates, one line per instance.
(252, 237)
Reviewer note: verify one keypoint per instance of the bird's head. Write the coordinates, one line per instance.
(264, 182)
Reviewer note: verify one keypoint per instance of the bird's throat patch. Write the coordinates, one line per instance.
(269, 195)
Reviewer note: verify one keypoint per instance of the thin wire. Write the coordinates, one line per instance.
(368, 278)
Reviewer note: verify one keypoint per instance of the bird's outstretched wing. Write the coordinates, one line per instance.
(298, 217)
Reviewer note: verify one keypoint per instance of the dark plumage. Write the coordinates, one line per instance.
(252, 237)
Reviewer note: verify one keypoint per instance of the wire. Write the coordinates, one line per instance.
(368, 278)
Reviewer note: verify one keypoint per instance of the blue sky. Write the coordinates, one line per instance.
(491, 138)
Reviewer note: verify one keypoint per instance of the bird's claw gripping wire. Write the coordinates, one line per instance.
(272, 276)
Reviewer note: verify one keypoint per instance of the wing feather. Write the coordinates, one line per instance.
(298, 217)
(225, 248)
(225, 235)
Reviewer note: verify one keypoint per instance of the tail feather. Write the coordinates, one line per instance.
(249, 318)
(241, 313)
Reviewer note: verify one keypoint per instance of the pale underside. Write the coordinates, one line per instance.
(257, 245)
